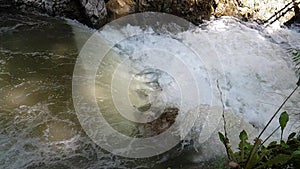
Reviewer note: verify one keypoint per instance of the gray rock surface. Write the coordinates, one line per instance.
(90, 12)
(95, 11)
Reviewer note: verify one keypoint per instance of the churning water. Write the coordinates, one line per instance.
(38, 123)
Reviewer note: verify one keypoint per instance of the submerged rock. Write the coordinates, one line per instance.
(159, 125)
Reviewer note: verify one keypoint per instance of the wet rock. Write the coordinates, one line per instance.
(161, 124)
(296, 17)
(226, 7)
(118, 8)
(90, 12)
(194, 11)
(144, 107)
(95, 11)
(256, 10)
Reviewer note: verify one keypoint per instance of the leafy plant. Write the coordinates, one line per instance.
(276, 155)
(296, 58)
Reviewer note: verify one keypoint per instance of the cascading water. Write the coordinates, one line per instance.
(38, 123)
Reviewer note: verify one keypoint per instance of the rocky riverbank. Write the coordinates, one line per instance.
(96, 13)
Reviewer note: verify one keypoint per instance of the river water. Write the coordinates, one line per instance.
(38, 123)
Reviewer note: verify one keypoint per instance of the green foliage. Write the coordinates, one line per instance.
(282, 154)
(243, 144)
(296, 58)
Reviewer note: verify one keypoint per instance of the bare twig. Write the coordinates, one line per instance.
(227, 143)
(274, 115)
(270, 135)
(223, 108)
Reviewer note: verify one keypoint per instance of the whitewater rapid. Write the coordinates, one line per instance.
(251, 64)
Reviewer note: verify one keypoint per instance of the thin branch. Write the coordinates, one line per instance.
(270, 135)
(227, 144)
(260, 134)
(223, 108)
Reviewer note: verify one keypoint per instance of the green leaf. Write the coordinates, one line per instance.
(280, 159)
(283, 119)
(264, 153)
(296, 59)
(253, 159)
(272, 144)
(243, 137)
(284, 145)
(292, 135)
(298, 83)
(296, 154)
(222, 139)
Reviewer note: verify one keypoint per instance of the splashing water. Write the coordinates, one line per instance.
(38, 123)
